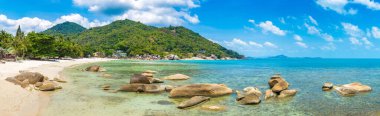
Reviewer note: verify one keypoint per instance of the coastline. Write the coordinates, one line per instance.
(23, 102)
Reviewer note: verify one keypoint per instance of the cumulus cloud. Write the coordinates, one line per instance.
(156, 12)
(375, 32)
(329, 47)
(269, 44)
(268, 26)
(312, 29)
(339, 6)
(297, 38)
(352, 30)
(301, 44)
(364, 41)
(36, 24)
(355, 41)
(299, 41)
(255, 44)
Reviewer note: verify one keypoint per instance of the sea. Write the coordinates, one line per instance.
(83, 95)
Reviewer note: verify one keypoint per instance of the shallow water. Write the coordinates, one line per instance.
(83, 94)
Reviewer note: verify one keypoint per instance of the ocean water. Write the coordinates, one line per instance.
(83, 95)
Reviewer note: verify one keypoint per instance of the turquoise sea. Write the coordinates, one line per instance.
(83, 95)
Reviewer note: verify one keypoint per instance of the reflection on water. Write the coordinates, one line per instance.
(83, 94)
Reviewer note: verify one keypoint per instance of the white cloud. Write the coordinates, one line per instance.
(367, 42)
(375, 32)
(251, 21)
(268, 26)
(339, 6)
(313, 20)
(329, 47)
(236, 42)
(355, 41)
(312, 30)
(352, 30)
(36, 24)
(269, 44)
(301, 44)
(255, 44)
(327, 37)
(297, 38)
(282, 20)
(156, 12)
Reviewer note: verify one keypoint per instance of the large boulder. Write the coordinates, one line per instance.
(327, 86)
(210, 90)
(277, 83)
(358, 87)
(287, 93)
(177, 77)
(172, 57)
(251, 95)
(33, 77)
(142, 79)
(147, 88)
(94, 68)
(346, 91)
(193, 101)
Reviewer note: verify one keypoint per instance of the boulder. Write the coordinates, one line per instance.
(147, 88)
(193, 101)
(47, 86)
(147, 74)
(38, 84)
(25, 83)
(105, 75)
(94, 68)
(277, 83)
(33, 77)
(138, 78)
(172, 57)
(287, 93)
(59, 80)
(210, 90)
(13, 80)
(177, 77)
(358, 87)
(251, 95)
(157, 80)
(269, 94)
(346, 91)
(327, 86)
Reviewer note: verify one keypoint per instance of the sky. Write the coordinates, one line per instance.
(257, 28)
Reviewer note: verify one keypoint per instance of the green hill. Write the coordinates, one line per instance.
(135, 38)
(65, 29)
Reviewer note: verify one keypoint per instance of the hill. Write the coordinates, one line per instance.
(65, 29)
(135, 38)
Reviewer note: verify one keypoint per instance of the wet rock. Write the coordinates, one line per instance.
(177, 77)
(168, 88)
(25, 83)
(277, 83)
(210, 90)
(147, 74)
(157, 80)
(269, 94)
(327, 86)
(33, 77)
(287, 93)
(105, 75)
(94, 68)
(138, 78)
(214, 107)
(150, 71)
(38, 84)
(193, 101)
(346, 91)
(358, 87)
(47, 86)
(251, 95)
(147, 88)
(59, 80)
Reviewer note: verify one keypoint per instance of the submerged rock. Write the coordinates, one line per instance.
(47, 86)
(33, 77)
(214, 107)
(287, 93)
(157, 80)
(94, 68)
(346, 91)
(210, 90)
(150, 71)
(164, 102)
(105, 75)
(177, 77)
(193, 101)
(269, 94)
(358, 87)
(139, 78)
(59, 80)
(251, 95)
(147, 88)
(327, 86)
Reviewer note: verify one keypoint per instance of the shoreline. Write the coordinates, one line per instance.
(23, 102)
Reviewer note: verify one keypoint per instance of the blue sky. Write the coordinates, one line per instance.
(299, 28)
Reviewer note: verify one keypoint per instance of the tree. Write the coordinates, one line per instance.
(5, 39)
(40, 45)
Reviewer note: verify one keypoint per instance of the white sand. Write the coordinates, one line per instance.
(17, 101)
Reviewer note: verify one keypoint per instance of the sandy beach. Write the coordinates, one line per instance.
(17, 101)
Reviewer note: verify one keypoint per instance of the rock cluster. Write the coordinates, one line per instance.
(145, 82)
(147, 77)
(250, 95)
(278, 88)
(41, 82)
(95, 68)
